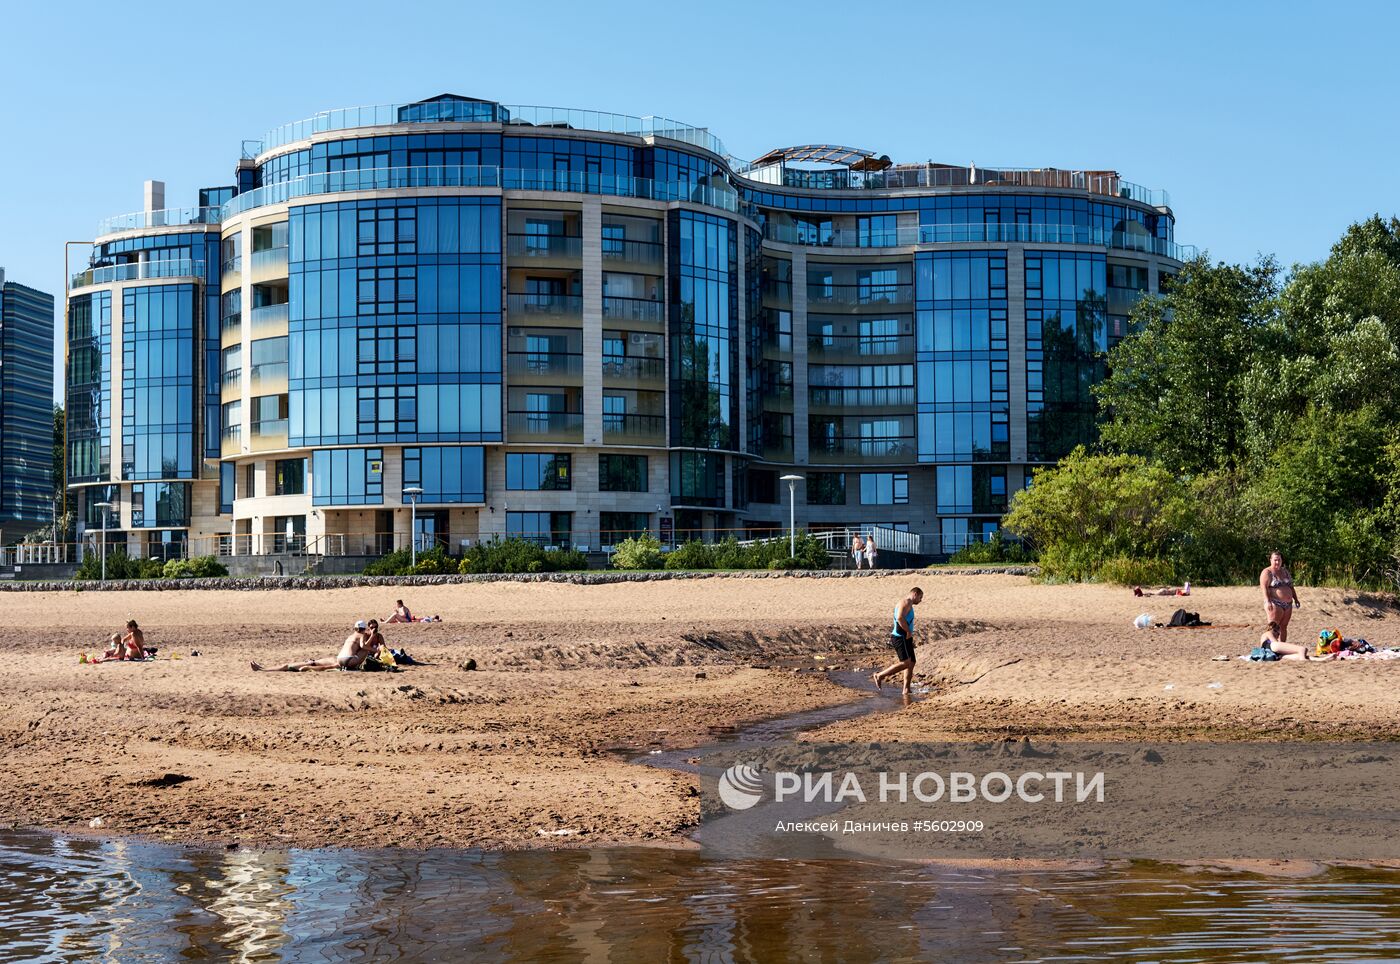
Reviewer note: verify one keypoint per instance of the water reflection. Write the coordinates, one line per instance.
(80, 900)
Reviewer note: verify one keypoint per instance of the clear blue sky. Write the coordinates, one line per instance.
(1272, 125)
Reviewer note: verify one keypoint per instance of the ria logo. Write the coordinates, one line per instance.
(741, 786)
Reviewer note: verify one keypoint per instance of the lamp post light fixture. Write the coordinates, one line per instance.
(105, 507)
(413, 492)
(792, 481)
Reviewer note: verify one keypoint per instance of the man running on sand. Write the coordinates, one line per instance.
(353, 652)
(902, 639)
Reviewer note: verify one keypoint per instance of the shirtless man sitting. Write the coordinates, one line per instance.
(355, 650)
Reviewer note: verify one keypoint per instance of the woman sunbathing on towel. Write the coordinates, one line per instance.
(1284, 650)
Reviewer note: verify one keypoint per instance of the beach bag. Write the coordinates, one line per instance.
(1262, 654)
(1182, 618)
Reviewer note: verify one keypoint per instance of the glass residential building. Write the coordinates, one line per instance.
(26, 410)
(575, 326)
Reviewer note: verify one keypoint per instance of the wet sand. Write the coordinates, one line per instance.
(532, 748)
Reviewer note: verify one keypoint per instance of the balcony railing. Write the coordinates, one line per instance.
(634, 309)
(513, 179)
(634, 368)
(231, 323)
(269, 373)
(902, 397)
(544, 364)
(632, 252)
(872, 295)
(383, 115)
(167, 218)
(138, 271)
(856, 346)
(269, 259)
(523, 425)
(232, 378)
(268, 316)
(544, 246)
(641, 429)
(271, 428)
(888, 448)
(563, 306)
(1105, 183)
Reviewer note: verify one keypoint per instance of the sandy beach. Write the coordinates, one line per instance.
(531, 748)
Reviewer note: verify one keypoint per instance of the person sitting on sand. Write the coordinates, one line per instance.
(353, 652)
(116, 650)
(1291, 651)
(130, 646)
(400, 614)
(902, 639)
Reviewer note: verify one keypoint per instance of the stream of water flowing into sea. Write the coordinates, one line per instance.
(87, 899)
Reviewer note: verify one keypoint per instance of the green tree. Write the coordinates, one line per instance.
(1173, 392)
(1093, 510)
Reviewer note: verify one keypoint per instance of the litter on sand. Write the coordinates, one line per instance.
(1215, 686)
(1168, 688)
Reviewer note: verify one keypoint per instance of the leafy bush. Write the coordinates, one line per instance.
(395, 563)
(119, 566)
(641, 552)
(200, 567)
(994, 551)
(519, 555)
(1137, 572)
(434, 561)
(692, 555)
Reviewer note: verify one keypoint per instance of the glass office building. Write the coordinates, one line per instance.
(575, 326)
(26, 410)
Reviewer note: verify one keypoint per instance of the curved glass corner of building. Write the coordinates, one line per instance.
(455, 320)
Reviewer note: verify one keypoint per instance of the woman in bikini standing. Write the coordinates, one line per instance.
(1280, 598)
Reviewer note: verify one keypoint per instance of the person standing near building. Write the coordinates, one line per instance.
(902, 641)
(872, 551)
(857, 549)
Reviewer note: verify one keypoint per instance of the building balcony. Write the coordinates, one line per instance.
(859, 298)
(847, 349)
(527, 427)
(269, 321)
(167, 218)
(270, 264)
(643, 256)
(545, 250)
(268, 436)
(544, 368)
(232, 441)
(777, 294)
(637, 311)
(139, 271)
(778, 399)
(269, 379)
(634, 372)
(885, 449)
(634, 429)
(231, 385)
(230, 330)
(554, 310)
(839, 400)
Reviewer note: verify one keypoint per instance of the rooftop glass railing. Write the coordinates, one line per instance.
(398, 178)
(167, 218)
(936, 176)
(980, 234)
(381, 115)
(138, 271)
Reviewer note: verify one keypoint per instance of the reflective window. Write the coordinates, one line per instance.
(290, 477)
(536, 471)
(704, 331)
(826, 488)
(159, 330)
(546, 528)
(622, 473)
(884, 488)
(347, 477)
(446, 474)
(159, 504)
(1066, 335)
(616, 526)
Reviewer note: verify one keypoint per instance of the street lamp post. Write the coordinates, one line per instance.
(105, 507)
(413, 492)
(792, 481)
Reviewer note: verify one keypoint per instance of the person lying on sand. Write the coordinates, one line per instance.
(1164, 591)
(353, 652)
(1291, 651)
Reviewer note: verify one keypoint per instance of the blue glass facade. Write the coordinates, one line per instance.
(394, 321)
(912, 338)
(160, 328)
(89, 394)
(26, 408)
